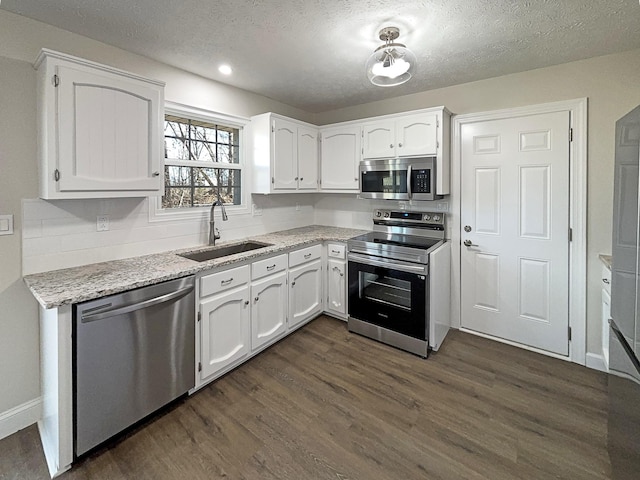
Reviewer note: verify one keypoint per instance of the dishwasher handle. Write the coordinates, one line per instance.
(132, 307)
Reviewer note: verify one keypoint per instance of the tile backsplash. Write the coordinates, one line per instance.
(63, 233)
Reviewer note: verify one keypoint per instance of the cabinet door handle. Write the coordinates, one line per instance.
(271, 267)
(292, 284)
(400, 145)
(156, 174)
(605, 280)
(246, 302)
(296, 179)
(226, 282)
(391, 146)
(255, 299)
(301, 179)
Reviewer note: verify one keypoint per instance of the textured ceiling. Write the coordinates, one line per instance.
(311, 53)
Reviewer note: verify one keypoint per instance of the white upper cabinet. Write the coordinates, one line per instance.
(404, 136)
(340, 149)
(307, 158)
(379, 139)
(285, 155)
(100, 130)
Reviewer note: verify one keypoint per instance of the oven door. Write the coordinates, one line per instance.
(390, 294)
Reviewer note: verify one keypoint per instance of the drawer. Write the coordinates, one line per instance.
(606, 280)
(336, 250)
(267, 267)
(305, 255)
(221, 281)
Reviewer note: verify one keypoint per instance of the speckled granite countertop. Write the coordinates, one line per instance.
(78, 284)
(606, 259)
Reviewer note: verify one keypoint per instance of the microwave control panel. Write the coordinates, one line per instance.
(421, 181)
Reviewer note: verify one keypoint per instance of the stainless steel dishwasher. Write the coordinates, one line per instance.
(133, 353)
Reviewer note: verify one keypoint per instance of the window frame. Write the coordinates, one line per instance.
(156, 212)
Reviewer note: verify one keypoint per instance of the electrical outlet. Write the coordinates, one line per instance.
(102, 223)
(443, 206)
(256, 210)
(297, 207)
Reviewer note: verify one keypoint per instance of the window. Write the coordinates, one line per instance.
(202, 163)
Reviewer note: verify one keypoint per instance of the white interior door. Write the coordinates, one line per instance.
(515, 217)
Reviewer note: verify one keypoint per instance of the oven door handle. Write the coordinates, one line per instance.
(404, 267)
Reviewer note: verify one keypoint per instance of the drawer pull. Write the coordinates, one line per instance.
(605, 280)
(335, 251)
(308, 255)
(271, 267)
(226, 282)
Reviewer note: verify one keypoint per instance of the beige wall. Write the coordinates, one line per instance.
(19, 372)
(612, 85)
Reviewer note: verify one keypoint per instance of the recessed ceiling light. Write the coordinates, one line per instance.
(225, 69)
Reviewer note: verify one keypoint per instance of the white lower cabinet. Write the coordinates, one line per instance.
(305, 292)
(336, 288)
(225, 320)
(268, 309)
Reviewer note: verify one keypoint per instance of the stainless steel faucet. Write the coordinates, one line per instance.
(214, 233)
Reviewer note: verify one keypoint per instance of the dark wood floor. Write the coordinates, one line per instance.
(327, 404)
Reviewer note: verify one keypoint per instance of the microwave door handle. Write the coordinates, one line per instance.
(409, 194)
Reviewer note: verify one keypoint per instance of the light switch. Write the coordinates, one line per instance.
(6, 224)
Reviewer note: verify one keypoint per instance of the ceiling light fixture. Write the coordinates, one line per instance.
(225, 69)
(392, 63)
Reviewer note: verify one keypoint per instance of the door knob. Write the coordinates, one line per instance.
(467, 243)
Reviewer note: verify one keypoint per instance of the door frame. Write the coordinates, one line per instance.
(577, 109)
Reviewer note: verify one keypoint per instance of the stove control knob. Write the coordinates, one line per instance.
(386, 214)
(378, 213)
(436, 218)
(427, 217)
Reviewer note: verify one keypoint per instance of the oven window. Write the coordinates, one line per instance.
(387, 181)
(385, 290)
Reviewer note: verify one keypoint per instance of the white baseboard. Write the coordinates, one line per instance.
(20, 417)
(596, 362)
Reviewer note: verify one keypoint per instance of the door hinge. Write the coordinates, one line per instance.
(56, 175)
(571, 134)
(571, 234)
(56, 80)
(569, 333)
(437, 122)
(273, 180)
(437, 144)
(199, 316)
(199, 366)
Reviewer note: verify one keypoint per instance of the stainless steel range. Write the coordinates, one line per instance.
(399, 278)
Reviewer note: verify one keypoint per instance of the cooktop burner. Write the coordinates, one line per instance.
(410, 241)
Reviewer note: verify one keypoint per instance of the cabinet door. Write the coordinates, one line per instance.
(336, 287)
(340, 158)
(307, 158)
(305, 292)
(108, 133)
(379, 140)
(268, 309)
(285, 155)
(224, 323)
(417, 135)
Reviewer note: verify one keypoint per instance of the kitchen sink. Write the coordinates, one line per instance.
(217, 252)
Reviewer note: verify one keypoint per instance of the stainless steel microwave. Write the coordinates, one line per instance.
(412, 178)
